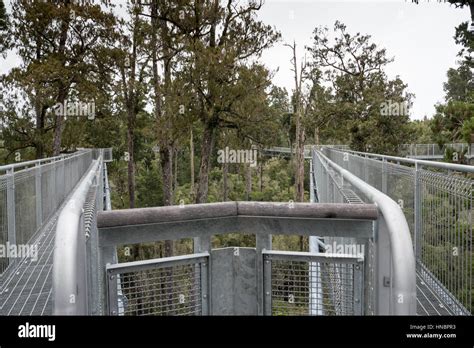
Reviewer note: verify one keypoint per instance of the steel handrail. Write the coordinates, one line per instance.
(66, 272)
(448, 166)
(7, 167)
(403, 258)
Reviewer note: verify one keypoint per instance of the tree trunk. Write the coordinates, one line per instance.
(191, 158)
(300, 168)
(175, 175)
(40, 115)
(131, 158)
(316, 136)
(63, 89)
(167, 173)
(207, 145)
(248, 181)
(58, 126)
(225, 170)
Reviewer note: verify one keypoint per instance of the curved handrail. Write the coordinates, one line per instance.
(67, 268)
(42, 161)
(403, 258)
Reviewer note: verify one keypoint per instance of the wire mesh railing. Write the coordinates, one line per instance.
(168, 286)
(30, 192)
(157, 286)
(292, 277)
(435, 150)
(437, 200)
(76, 271)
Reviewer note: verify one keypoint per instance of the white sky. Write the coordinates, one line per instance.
(419, 37)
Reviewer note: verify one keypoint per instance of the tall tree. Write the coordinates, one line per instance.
(132, 63)
(299, 124)
(58, 43)
(354, 69)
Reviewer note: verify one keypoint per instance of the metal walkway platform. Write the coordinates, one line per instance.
(427, 301)
(27, 290)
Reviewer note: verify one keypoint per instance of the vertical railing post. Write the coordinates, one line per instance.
(108, 295)
(202, 244)
(359, 288)
(263, 242)
(11, 210)
(383, 269)
(384, 175)
(418, 215)
(311, 183)
(330, 191)
(112, 295)
(205, 286)
(53, 186)
(39, 201)
(366, 169)
(267, 286)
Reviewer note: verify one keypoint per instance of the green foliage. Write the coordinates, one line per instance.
(3, 17)
(453, 121)
(359, 90)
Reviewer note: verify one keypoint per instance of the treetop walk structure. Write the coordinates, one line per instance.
(388, 236)
(436, 152)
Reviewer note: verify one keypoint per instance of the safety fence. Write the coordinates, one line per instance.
(30, 193)
(437, 200)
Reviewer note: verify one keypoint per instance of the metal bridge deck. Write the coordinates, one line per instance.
(428, 302)
(27, 290)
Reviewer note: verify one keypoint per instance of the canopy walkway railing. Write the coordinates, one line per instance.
(251, 281)
(391, 254)
(434, 151)
(379, 226)
(30, 192)
(437, 200)
(76, 277)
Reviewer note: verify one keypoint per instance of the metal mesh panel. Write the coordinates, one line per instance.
(163, 289)
(401, 188)
(432, 150)
(108, 155)
(25, 205)
(328, 285)
(446, 241)
(56, 179)
(3, 220)
(48, 189)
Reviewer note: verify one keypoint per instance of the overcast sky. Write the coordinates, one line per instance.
(419, 37)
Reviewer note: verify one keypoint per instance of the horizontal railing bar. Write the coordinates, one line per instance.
(449, 166)
(144, 216)
(134, 266)
(42, 161)
(310, 257)
(330, 227)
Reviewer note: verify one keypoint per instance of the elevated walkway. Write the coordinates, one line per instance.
(406, 215)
